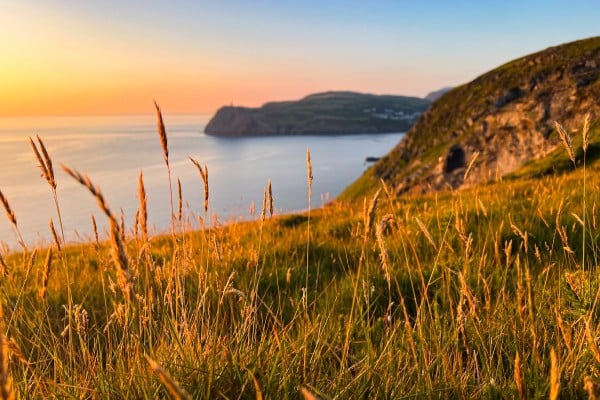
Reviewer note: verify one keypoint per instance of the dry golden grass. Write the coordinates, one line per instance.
(566, 139)
(46, 275)
(95, 230)
(143, 209)
(425, 231)
(270, 198)
(470, 166)
(468, 294)
(518, 373)
(162, 134)
(554, 376)
(4, 269)
(179, 201)
(118, 253)
(57, 242)
(45, 165)
(204, 176)
(6, 387)
(13, 220)
(45, 161)
(170, 384)
(9, 212)
(309, 174)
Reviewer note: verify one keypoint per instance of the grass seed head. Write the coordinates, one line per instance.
(179, 201)
(425, 231)
(162, 134)
(44, 160)
(165, 378)
(566, 139)
(204, 176)
(118, 253)
(55, 235)
(143, 211)
(9, 212)
(3, 272)
(585, 132)
(46, 275)
(270, 198)
(369, 213)
(470, 167)
(95, 229)
(263, 211)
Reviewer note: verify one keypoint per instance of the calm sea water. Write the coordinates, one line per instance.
(113, 151)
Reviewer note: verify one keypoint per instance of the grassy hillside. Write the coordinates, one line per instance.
(322, 113)
(486, 292)
(504, 116)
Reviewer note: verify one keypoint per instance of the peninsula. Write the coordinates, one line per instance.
(321, 113)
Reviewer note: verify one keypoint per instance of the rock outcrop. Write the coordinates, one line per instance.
(505, 115)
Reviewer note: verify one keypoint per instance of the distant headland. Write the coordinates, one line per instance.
(327, 113)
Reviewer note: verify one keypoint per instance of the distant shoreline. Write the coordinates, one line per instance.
(316, 134)
(328, 113)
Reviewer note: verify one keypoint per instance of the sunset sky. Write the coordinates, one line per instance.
(114, 57)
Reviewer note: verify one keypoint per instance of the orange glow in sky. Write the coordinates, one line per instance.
(116, 57)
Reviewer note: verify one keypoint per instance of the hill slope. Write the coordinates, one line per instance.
(436, 94)
(506, 115)
(322, 113)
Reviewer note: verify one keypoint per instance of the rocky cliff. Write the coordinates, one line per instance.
(321, 113)
(505, 115)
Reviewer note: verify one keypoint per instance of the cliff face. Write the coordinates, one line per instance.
(322, 113)
(506, 115)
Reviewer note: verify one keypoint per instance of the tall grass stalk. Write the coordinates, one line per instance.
(118, 252)
(3, 270)
(204, 175)
(162, 135)
(171, 384)
(57, 242)
(6, 386)
(143, 210)
(10, 214)
(309, 182)
(45, 164)
(585, 142)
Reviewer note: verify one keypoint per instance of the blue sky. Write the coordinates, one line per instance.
(196, 55)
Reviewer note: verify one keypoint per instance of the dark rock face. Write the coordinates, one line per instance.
(505, 115)
(454, 159)
(510, 96)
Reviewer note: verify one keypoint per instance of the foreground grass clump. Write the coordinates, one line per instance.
(478, 293)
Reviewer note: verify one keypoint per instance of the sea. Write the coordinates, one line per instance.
(114, 150)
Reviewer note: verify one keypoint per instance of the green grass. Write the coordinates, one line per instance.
(494, 271)
(557, 161)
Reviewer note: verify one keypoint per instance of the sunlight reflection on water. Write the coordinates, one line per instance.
(113, 150)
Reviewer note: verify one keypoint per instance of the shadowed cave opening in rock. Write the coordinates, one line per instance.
(454, 159)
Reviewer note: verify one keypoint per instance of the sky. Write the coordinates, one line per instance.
(115, 57)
